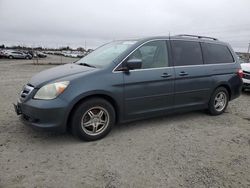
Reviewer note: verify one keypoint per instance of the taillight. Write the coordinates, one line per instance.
(240, 73)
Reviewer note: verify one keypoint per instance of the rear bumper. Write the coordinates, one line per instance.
(236, 87)
(46, 115)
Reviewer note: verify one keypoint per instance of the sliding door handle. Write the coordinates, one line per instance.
(165, 75)
(182, 73)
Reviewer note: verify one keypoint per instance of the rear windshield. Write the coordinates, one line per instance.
(216, 53)
(105, 54)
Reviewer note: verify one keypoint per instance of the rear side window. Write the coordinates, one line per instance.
(216, 53)
(186, 53)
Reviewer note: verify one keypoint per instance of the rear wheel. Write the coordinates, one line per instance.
(218, 101)
(93, 119)
(10, 57)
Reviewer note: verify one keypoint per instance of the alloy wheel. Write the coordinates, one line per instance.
(95, 120)
(220, 101)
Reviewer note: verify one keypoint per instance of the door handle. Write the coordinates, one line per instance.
(165, 75)
(182, 73)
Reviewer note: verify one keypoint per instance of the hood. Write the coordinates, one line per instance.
(245, 67)
(58, 72)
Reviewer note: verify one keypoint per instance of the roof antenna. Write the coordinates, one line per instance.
(169, 35)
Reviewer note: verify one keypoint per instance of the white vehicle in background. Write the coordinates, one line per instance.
(72, 54)
(246, 75)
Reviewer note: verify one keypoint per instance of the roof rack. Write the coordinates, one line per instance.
(196, 36)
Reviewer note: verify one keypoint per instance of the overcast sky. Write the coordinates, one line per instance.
(55, 23)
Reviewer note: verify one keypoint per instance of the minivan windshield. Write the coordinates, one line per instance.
(105, 54)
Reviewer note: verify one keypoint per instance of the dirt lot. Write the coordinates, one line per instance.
(185, 150)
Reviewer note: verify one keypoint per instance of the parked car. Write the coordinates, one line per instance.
(72, 54)
(67, 53)
(29, 52)
(246, 75)
(57, 53)
(40, 55)
(49, 52)
(129, 80)
(1, 53)
(17, 55)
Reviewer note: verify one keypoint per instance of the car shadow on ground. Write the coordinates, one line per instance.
(46, 136)
(161, 120)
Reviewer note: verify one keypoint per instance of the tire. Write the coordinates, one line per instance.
(92, 119)
(218, 101)
(27, 57)
(10, 57)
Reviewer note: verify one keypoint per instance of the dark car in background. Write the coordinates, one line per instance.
(130, 80)
(40, 54)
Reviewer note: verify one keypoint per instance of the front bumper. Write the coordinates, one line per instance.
(246, 86)
(42, 114)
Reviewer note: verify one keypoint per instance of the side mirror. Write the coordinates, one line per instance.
(133, 64)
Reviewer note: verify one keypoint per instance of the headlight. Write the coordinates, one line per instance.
(51, 91)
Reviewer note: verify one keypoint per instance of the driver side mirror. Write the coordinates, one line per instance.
(133, 64)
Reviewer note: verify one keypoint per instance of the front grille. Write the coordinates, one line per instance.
(246, 75)
(27, 89)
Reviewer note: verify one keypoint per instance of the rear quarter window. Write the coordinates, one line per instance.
(216, 53)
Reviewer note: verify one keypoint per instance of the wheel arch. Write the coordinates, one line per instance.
(106, 97)
(226, 86)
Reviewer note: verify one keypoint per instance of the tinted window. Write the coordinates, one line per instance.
(186, 53)
(153, 54)
(216, 53)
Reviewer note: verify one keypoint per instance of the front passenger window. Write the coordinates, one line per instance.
(153, 55)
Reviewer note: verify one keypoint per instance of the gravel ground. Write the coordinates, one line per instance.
(184, 150)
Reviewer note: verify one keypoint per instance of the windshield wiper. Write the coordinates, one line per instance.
(87, 65)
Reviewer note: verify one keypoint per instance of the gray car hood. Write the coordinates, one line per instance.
(58, 72)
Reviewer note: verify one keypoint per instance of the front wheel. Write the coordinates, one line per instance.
(93, 119)
(218, 101)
